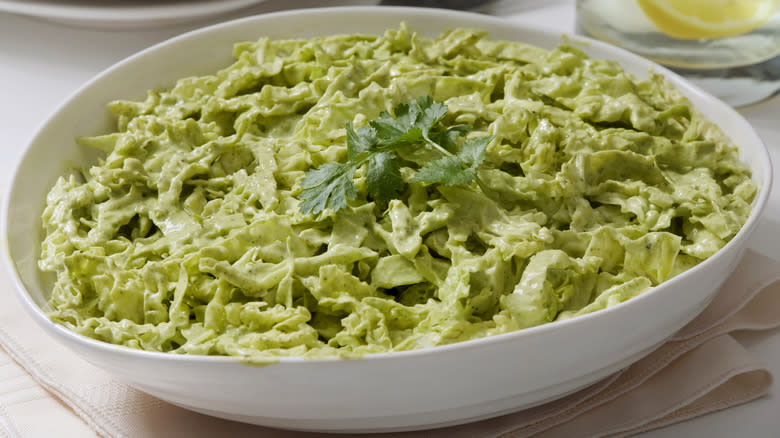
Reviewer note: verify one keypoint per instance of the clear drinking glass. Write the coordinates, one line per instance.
(730, 48)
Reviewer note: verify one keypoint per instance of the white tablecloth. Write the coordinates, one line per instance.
(42, 63)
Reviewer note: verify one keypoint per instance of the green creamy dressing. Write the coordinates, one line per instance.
(187, 236)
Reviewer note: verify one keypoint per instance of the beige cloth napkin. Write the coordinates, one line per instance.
(700, 370)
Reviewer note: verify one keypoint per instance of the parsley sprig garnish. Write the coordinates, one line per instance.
(416, 124)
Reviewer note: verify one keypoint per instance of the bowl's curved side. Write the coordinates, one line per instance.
(410, 389)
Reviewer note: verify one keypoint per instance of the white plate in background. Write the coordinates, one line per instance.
(111, 14)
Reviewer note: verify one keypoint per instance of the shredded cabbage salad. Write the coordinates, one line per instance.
(187, 236)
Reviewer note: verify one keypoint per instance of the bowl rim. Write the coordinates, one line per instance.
(481, 21)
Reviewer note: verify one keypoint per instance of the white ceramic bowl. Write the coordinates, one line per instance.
(397, 391)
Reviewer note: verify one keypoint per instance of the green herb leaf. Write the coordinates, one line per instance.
(411, 122)
(429, 113)
(415, 123)
(446, 170)
(328, 186)
(448, 138)
(383, 177)
(391, 129)
(472, 153)
(360, 142)
(458, 169)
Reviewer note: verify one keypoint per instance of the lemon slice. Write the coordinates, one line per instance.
(695, 19)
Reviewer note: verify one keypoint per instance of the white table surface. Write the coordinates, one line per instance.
(42, 63)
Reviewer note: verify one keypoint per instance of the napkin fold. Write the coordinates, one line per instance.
(701, 369)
